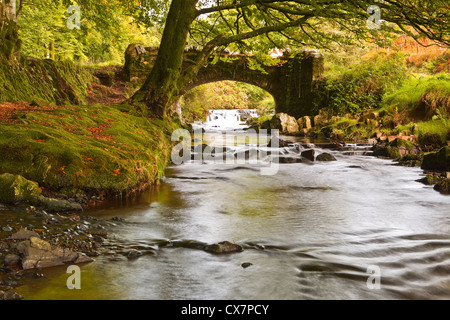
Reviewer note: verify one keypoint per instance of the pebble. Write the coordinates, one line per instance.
(7, 229)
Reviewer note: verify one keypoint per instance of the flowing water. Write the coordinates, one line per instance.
(312, 231)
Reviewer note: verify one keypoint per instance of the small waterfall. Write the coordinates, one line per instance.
(226, 120)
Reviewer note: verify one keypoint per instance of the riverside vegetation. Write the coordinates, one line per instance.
(74, 133)
(73, 144)
(383, 99)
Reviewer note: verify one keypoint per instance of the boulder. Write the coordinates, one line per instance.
(23, 235)
(40, 244)
(223, 247)
(322, 118)
(439, 160)
(325, 157)
(319, 121)
(15, 188)
(55, 205)
(38, 253)
(281, 143)
(284, 123)
(304, 123)
(309, 154)
(443, 186)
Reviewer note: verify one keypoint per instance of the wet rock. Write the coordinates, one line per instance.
(278, 143)
(10, 283)
(223, 248)
(40, 244)
(15, 188)
(439, 160)
(55, 205)
(82, 258)
(23, 235)
(443, 186)
(39, 254)
(118, 219)
(11, 260)
(309, 154)
(134, 254)
(246, 265)
(7, 228)
(10, 296)
(288, 159)
(325, 157)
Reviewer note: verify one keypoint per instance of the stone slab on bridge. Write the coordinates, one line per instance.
(290, 79)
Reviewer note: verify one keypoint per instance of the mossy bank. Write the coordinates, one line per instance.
(70, 148)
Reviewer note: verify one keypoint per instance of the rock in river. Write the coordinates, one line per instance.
(223, 247)
(309, 154)
(23, 235)
(16, 189)
(37, 253)
(325, 157)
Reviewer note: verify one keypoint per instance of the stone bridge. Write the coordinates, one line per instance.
(290, 81)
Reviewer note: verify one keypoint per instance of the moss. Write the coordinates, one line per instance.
(86, 147)
(443, 186)
(439, 160)
(44, 81)
(15, 188)
(393, 152)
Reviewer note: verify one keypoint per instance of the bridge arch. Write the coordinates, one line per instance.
(289, 82)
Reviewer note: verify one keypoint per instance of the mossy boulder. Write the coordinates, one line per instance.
(443, 186)
(15, 188)
(439, 160)
(325, 157)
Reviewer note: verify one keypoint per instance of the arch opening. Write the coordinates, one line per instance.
(198, 101)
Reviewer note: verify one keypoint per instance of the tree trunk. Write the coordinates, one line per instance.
(160, 89)
(10, 43)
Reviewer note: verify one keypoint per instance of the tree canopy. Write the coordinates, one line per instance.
(252, 25)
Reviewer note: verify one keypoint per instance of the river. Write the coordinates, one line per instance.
(311, 231)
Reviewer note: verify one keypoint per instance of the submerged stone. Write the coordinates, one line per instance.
(223, 247)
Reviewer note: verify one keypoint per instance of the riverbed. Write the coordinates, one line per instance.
(311, 231)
